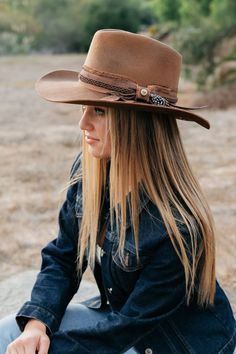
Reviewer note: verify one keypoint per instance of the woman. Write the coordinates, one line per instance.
(134, 212)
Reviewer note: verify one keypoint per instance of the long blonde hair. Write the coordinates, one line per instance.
(149, 145)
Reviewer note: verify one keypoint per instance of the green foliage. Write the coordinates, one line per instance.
(180, 11)
(196, 27)
(201, 51)
(205, 25)
(223, 13)
(165, 11)
(99, 14)
(190, 13)
(197, 48)
(12, 43)
(17, 28)
(66, 25)
(57, 25)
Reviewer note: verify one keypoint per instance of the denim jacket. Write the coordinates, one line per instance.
(147, 298)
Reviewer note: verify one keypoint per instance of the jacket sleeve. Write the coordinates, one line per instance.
(57, 281)
(158, 293)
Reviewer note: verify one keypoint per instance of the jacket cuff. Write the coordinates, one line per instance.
(30, 311)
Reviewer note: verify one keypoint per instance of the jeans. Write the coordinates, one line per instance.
(76, 315)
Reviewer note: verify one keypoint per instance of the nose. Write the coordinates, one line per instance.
(85, 121)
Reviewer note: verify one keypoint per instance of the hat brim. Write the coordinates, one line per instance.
(63, 86)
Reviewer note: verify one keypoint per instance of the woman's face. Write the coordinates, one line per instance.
(94, 123)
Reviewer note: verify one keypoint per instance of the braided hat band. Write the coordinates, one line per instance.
(121, 88)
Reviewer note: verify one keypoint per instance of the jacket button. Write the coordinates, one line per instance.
(148, 351)
(102, 252)
(110, 290)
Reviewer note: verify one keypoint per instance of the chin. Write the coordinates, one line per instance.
(98, 155)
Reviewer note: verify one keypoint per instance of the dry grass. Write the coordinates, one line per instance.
(39, 140)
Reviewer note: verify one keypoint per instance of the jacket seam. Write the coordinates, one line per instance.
(180, 336)
(39, 308)
(231, 341)
(219, 319)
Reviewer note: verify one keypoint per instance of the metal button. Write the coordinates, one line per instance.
(144, 92)
(148, 351)
(110, 290)
(102, 253)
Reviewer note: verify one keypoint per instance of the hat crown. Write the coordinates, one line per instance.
(140, 58)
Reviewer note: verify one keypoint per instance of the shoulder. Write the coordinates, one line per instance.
(74, 187)
(76, 165)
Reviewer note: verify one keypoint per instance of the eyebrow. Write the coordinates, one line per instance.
(100, 107)
(96, 106)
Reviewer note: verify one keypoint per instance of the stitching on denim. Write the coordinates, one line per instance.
(137, 341)
(128, 268)
(232, 339)
(181, 337)
(41, 308)
(220, 320)
(171, 345)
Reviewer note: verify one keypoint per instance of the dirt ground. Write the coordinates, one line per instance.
(39, 141)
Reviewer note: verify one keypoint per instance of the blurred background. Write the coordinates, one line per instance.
(39, 140)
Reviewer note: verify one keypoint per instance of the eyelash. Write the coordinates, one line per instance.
(99, 111)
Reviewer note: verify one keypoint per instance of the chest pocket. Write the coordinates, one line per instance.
(129, 262)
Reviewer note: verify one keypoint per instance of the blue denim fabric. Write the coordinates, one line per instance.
(147, 299)
(76, 316)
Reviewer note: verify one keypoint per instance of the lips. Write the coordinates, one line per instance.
(91, 138)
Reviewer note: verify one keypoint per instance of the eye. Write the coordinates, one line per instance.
(99, 111)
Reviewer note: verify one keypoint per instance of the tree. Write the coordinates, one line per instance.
(99, 14)
(68, 25)
(17, 28)
(165, 11)
(223, 13)
(190, 13)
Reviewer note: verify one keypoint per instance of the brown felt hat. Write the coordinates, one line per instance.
(125, 70)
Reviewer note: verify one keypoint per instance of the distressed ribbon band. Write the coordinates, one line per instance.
(121, 88)
(118, 87)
